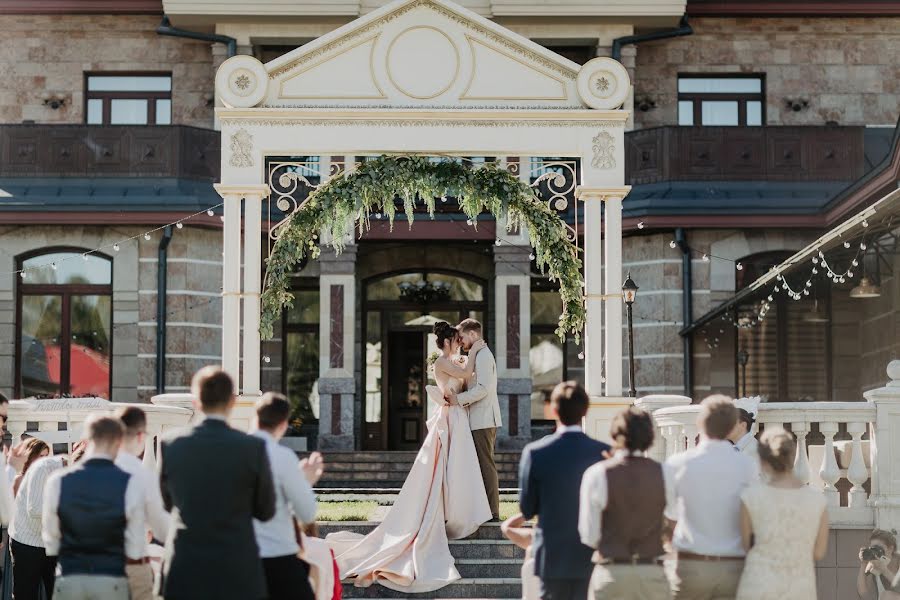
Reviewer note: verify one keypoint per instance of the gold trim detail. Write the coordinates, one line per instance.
(383, 96)
(387, 63)
(465, 95)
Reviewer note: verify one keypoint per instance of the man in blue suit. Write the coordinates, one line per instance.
(550, 482)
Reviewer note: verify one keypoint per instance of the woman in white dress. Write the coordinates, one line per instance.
(784, 526)
(409, 550)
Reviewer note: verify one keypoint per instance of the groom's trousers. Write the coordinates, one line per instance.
(484, 447)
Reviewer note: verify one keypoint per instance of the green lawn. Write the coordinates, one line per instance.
(362, 510)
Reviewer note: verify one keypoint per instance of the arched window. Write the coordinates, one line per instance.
(64, 325)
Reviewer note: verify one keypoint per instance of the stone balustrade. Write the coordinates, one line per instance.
(61, 421)
(846, 445)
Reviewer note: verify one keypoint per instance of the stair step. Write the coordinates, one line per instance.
(463, 588)
(473, 568)
(398, 467)
(488, 531)
(346, 456)
(485, 549)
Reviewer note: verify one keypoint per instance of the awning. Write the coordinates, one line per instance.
(879, 218)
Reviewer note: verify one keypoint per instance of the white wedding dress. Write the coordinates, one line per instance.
(442, 498)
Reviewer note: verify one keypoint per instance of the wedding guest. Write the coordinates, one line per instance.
(523, 537)
(622, 505)
(703, 489)
(742, 435)
(877, 573)
(550, 475)
(93, 519)
(784, 526)
(324, 574)
(33, 449)
(138, 570)
(31, 565)
(287, 575)
(215, 480)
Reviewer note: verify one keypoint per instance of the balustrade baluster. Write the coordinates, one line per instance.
(690, 430)
(801, 462)
(150, 448)
(857, 472)
(829, 471)
(670, 441)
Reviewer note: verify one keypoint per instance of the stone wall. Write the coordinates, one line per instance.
(51, 53)
(844, 67)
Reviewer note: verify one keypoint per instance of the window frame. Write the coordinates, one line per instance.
(65, 291)
(108, 96)
(697, 98)
(301, 285)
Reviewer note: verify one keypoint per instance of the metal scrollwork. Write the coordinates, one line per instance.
(291, 183)
(554, 182)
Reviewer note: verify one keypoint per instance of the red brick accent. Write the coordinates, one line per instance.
(512, 327)
(336, 337)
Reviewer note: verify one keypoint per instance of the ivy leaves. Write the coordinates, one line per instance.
(372, 188)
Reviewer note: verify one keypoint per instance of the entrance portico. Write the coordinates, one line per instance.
(419, 77)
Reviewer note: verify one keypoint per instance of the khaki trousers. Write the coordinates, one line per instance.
(484, 447)
(140, 581)
(704, 580)
(90, 587)
(629, 582)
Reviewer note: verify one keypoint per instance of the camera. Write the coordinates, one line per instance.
(873, 553)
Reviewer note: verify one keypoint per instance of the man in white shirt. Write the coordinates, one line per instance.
(93, 519)
(139, 572)
(703, 494)
(742, 435)
(287, 576)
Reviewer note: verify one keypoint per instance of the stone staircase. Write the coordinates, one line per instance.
(490, 566)
(387, 470)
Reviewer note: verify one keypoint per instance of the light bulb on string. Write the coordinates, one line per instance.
(854, 262)
(850, 274)
(179, 225)
(147, 236)
(222, 218)
(210, 213)
(739, 267)
(23, 275)
(267, 359)
(497, 242)
(815, 271)
(705, 257)
(116, 247)
(84, 256)
(865, 223)
(862, 246)
(641, 225)
(469, 222)
(53, 266)
(815, 260)
(581, 355)
(846, 244)
(673, 244)
(531, 256)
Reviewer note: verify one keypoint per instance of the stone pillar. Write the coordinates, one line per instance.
(885, 448)
(337, 343)
(512, 301)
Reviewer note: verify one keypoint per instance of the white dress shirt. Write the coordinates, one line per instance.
(593, 500)
(703, 495)
(294, 498)
(567, 428)
(155, 515)
(135, 530)
(26, 524)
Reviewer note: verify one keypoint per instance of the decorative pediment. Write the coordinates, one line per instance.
(419, 53)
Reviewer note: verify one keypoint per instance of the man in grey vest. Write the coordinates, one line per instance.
(93, 519)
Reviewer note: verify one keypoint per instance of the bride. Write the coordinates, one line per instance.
(442, 498)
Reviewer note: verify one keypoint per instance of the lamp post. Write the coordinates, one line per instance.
(743, 358)
(629, 293)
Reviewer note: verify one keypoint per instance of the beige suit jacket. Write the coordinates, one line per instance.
(480, 399)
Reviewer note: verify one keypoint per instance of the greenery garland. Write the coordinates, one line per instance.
(372, 187)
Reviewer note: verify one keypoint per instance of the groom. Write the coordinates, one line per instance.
(483, 407)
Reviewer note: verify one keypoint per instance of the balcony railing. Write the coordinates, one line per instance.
(848, 450)
(109, 151)
(744, 154)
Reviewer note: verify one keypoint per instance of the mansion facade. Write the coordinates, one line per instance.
(755, 128)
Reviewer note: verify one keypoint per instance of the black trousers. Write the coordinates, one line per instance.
(287, 578)
(31, 567)
(564, 589)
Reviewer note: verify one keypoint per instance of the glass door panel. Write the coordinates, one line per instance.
(89, 347)
(41, 369)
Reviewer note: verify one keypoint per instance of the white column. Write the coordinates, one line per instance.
(593, 294)
(231, 288)
(613, 242)
(801, 461)
(885, 448)
(252, 266)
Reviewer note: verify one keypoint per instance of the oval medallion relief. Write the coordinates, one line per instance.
(422, 62)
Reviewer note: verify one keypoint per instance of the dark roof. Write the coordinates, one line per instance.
(729, 198)
(107, 194)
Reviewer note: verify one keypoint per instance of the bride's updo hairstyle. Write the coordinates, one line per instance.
(444, 332)
(777, 449)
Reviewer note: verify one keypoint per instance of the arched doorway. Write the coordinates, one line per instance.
(399, 311)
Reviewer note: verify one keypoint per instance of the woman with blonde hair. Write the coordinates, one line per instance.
(784, 527)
